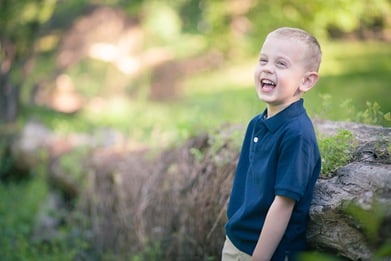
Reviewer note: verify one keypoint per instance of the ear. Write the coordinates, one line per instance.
(309, 81)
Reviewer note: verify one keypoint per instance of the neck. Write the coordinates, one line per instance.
(274, 109)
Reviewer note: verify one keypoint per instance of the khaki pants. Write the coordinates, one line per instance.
(231, 253)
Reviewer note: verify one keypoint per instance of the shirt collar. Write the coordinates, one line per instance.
(293, 110)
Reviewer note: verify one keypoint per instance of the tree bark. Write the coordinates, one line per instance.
(350, 212)
(9, 93)
(9, 100)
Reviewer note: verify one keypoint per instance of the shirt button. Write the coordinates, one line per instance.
(255, 139)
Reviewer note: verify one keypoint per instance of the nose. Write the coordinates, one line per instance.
(267, 68)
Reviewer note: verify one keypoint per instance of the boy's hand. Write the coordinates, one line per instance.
(277, 220)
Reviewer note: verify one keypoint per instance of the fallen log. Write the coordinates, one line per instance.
(351, 212)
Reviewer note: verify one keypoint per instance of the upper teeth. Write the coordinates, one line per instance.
(265, 81)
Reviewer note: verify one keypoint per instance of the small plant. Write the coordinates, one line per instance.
(336, 151)
(372, 114)
(347, 110)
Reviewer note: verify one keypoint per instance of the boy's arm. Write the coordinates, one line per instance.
(274, 228)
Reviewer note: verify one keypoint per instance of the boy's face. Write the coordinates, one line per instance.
(280, 72)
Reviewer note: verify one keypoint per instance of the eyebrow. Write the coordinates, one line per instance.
(278, 57)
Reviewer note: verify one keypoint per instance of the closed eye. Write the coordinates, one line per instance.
(263, 61)
(282, 64)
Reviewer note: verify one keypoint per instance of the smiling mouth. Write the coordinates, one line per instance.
(267, 83)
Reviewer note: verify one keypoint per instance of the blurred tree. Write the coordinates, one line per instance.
(162, 23)
(236, 27)
(20, 24)
(230, 23)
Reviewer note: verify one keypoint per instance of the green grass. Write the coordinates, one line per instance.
(20, 202)
(16, 207)
(355, 71)
(352, 74)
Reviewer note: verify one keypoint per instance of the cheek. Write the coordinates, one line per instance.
(257, 71)
(256, 79)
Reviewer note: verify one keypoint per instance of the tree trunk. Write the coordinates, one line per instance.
(9, 93)
(9, 100)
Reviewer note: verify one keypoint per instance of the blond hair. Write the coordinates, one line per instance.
(314, 53)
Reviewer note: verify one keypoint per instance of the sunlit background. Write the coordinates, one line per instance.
(150, 74)
(159, 71)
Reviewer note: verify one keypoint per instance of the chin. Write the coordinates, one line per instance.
(263, 97)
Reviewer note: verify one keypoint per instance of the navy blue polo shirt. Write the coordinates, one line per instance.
(279, 156)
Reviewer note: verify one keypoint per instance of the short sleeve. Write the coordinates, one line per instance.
(294, 168)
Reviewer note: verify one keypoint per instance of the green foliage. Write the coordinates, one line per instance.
(311, 256)
(370, 222)
(18, 204)
(72, 164)
(384, 251)
(161, 23)
(348, 71)
(372, 114)
(336, 151)
(92, 77)
(230, 27)
(186, 27)
(197, 154)
(218, 144)
(153, 252)
(20, 22)
(226, 95)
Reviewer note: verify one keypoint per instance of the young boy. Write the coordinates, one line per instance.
(280, 161)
